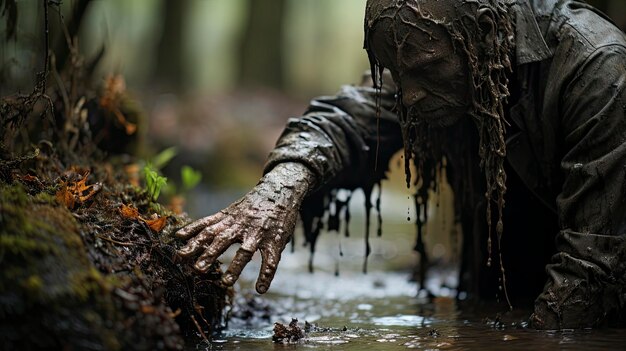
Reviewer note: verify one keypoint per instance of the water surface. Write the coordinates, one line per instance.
(382, 310)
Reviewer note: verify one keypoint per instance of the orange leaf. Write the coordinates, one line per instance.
(129, 127)
(65, 197)
(147, 309)
(156, 224)
(82, 192)
(80, 186)
(175, 313)
(29, 178)
(129, 212)
(93, 190)
(111, 100)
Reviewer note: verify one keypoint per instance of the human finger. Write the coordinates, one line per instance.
(269, 264)
(240, 260)
(203, 239)
(195, 227)
(217, 247)
(195, 245)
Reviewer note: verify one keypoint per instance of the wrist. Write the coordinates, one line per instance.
(290, 176)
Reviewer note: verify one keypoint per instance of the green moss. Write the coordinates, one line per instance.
(38, 240)
(31, 227)
(45, 267)
(14, 194)
(51, 285)
(23, 246)
(45, 198)
(33, 285)
(85, 283)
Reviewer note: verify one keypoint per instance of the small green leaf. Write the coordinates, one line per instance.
(190, 177)
(164, 157)
(154, 181)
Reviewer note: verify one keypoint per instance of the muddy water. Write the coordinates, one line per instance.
(382, 310)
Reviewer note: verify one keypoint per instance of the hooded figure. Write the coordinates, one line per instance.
(523, 102)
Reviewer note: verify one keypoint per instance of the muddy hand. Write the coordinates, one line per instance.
(264, 220)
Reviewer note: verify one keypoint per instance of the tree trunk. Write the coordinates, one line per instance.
(169, 67)
(260, 54)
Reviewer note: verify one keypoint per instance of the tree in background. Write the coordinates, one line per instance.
(73, 22)
(260, 53)
(169, 71)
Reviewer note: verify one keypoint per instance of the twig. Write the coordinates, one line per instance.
(199, 328)
(115, 241)
(46, 46)
(199, 309)
(70, 29)
(57, 78)
(46, 65)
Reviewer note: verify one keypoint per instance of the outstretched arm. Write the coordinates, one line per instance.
(333, 144)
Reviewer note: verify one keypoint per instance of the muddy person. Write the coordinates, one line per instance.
(522, 101)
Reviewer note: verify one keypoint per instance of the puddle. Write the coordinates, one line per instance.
(381, 310)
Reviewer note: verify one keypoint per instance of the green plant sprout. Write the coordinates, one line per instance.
(154, 181)
(164, 157)
(190, 177)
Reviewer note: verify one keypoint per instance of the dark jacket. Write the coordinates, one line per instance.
(566, 153)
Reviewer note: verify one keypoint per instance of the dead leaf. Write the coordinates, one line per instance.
(65, 197)
(77, 192)
(147, 309)
(129, 212)
(29, 178)
(156, 224)
(114, 89)
(84, 192)
(175, 313)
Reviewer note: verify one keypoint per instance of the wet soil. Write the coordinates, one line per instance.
(81, 273)
(88, 256)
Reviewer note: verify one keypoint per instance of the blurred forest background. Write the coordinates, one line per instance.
(217, 79)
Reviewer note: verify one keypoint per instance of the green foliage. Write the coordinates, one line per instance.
(164, 157)
(190, 177)
(157, 184)
(154, 181)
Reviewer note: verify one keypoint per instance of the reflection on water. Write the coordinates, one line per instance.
(401, 320)
(400, 323)
(381, 310)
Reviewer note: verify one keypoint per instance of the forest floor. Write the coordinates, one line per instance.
(88, 255)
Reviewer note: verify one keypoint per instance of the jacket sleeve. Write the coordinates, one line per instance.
(342, 138)
(586, 280)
